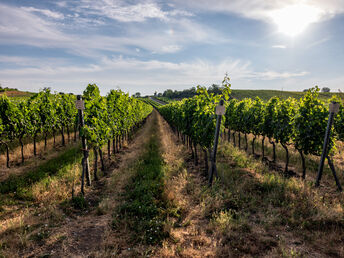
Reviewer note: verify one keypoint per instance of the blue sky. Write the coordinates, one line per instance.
(147, 46)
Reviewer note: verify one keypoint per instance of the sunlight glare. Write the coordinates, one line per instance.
(294, 19)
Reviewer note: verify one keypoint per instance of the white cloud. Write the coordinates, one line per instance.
(136, 75)
(272, 75)
(170, 48)
(279, 46)
(262, 9)
(46, 12)
(122, 11)
(22, 26)
(319, 42)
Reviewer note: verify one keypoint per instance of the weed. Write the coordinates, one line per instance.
(146, 210)
(79, 202)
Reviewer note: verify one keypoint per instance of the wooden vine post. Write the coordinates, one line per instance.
(80, 105)
(334, 108)
(220, 111)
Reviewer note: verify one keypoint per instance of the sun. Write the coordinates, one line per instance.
(294, 19)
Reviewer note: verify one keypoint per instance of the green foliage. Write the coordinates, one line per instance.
(287, 121)
(264, 95)
(256, 116)
(34, 115)
(310, 124)
(339, 123)
(231, 114)
(269, 125)
(244, 115)
(10, 120)
(339, 118)
(79, 202)
(96, 129)
(195, 117)
(283, 120)
(45, 112)
(110, 116)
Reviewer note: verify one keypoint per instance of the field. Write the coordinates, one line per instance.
(151, 195)
(16, 94)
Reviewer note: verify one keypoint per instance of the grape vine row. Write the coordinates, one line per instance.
(301, 123)
(106, 118)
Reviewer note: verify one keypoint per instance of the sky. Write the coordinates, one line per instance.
(147, 46)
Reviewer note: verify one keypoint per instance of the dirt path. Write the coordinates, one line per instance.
(189, 238)
(83, 235)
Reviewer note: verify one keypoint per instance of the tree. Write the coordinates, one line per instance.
(214, 88)
(137, 95)
(325, 89)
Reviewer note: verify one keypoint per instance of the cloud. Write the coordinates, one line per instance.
(136, 75)
(272, 75)
(120, 10)
(22, 26)
(170, 48)
(279, 46)
(46, 12)
(262, 9)
(132, 13)
(319, 42)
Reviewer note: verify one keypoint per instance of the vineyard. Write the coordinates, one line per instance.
(107, 120)
(151, 195)
(289, 122)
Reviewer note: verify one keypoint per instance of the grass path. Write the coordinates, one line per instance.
(87, 234)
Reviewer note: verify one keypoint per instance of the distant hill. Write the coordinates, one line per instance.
(14, 93)
(267, 94)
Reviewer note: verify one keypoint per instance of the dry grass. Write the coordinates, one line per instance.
(91, 233)
(43, 154)
(185, 187)
(312, 162)
(266, 214)
(249, 212)
(47, 223)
